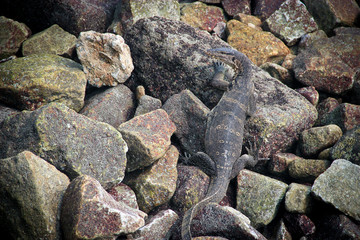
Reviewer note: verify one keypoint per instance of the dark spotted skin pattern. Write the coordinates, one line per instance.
(224, 133)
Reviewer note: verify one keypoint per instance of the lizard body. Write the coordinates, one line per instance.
(224, 133)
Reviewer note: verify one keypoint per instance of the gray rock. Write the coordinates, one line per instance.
(123, 193)
(290, 21)
(348, 147)
(6, 112)
(307, 170)
(113, 106)
(148, 138)
(12, 35)
(73, 143)
(89, 212)
(106, 58)
(314, 140)
(32, 81)
(309, 38)
(279, 72)
(147, 104)
(339, 186)
(259, 197)
(53, 40)
(190, 116)
(155, 185)
(31, 191)
(298, 199)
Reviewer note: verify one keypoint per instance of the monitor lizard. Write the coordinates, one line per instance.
(224, 132)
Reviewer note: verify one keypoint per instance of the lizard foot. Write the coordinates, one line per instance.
(254, 149)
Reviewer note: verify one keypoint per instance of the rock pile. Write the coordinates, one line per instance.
(101, 105)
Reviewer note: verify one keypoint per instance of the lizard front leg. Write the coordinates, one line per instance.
(204, 162)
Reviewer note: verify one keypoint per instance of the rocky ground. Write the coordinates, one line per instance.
(100, 102)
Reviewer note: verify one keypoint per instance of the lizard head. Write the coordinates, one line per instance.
(226, 55)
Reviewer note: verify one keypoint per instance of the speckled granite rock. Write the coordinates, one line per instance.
(31, 191)
(89, 212)
(340, 186)
(123, 193)
(233, 7)
(298, 198)
(307, 170)
(310, 94)
(280, 162)
(147, 104)
(264, 8)
(73, 143)
(32, 81)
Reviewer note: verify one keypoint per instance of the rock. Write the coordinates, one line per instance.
(73, 143)
(310, 94)
(259, 46)
(210, 1)
(192, 185)
(31, 191)
(32, 81)
(326, 106)
(329, 64)
(264, 8)
(282, 114)
(202, 16)
(6, 112)
(290, 21)
(53, 40)
(124, 194)
(233, 7)
(347, 147)
(280, 162)
(225, 221)
(249, 20)
(298, 198)
(307, 39)
(299, 225)
(13, 34)
(347, 30)
(129, 12)
(156, 184)
(282, 232)
(325, 154)
(190, 116)
(172, 52)
(288, 61)
(345, 115)
(157, 226)
(279, 72)
(147, 104)
(307, 170)
(89, 212)
(113, 106)
(220, 30)
(259, 197)
(106, 58)
(339, 186)
(148, 138)
(329, 14)
(314, 140)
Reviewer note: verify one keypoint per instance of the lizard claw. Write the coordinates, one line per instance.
(254, 148)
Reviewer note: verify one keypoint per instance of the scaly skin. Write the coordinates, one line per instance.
(224, 133)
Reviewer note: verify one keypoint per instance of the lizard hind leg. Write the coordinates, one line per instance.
(204, 162)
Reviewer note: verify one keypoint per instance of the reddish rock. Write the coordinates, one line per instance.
(280, 162)
(326, 106)
(123, 193)
(337, 227)
(233, 7)
(89, 212)
(310, 94)
(202, 16)
(307, 39)
(299, 224)
(264, 8)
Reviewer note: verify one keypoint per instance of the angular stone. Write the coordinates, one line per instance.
(339, 186)
(347, 30)
(282, 232)
(106, 58)
(156, 184)
(202, 16)
(290, 21)
(346, 116)
(310, 94)
(123, 193)
(298, 198)
(53, 40)
(264, 8)
(326, 106)
(129, 12)
(329, 64)
(259, 197)
(89, 212)
(325, 154)
(332, 13)
(249, 20)
(225, 221)
(279, 72)
(148, 138)
(157, 226)
(288, 61)
(73, 143)
(280, 162)
(314, 140)
(220, 30)
(348, 147)
(307, 39)
(6, 112)
(32, 81)
(233, 7)
(192, 185)
(299, 225)
(259, 46)
(31, 191)
(12, 35)
(147, 104)
(190, 116)
(113, 106)
(307, 170)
